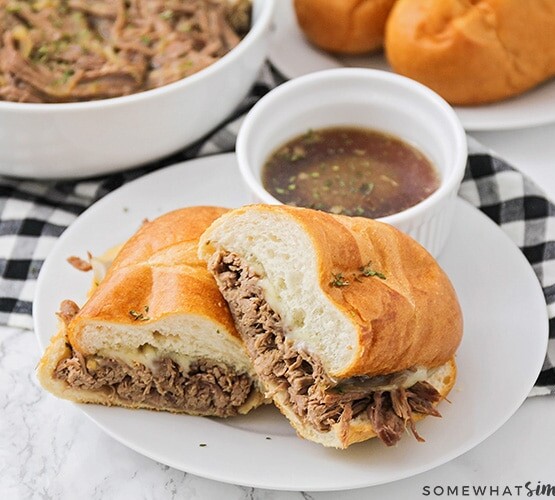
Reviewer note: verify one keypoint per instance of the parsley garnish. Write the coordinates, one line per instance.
(146, 40)
(368, 272)
(311, 137)
(338, 280)
(66, 75)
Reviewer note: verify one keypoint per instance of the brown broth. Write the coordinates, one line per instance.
(350, 171)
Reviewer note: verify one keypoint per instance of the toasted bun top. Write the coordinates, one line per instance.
(158, 275)
(473, 52)
(312, 266)
(344, 26)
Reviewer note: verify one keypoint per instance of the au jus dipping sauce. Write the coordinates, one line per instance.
(349, 171)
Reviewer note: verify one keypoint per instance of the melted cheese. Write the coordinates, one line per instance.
(147, 355)
(405, 379)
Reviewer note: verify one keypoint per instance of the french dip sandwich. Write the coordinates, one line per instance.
(351, 325)
(156, 332)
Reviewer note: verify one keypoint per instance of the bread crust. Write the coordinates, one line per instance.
(161, 261)
(344, 26)
(410, 318)
(472, 52)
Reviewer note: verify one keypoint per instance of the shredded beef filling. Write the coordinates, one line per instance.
(206, 388)
(312, 394)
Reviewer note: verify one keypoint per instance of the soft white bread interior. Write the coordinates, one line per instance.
(360, 326)
(282, 254)
(157, 301)
(332, 306)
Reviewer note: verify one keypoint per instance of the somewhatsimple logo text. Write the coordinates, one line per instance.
(528, 489)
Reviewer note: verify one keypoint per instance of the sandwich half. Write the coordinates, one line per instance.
(351, 325)
(155, 332)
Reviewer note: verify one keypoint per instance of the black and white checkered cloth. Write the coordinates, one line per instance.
(34, 214)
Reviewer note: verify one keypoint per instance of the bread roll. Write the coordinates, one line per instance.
(473, 52)
(348, 321)
(344, 26)
(155, 333)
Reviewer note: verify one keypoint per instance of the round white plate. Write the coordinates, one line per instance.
(293, 56)
(499, 359)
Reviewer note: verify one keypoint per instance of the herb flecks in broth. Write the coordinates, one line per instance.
(349, 171)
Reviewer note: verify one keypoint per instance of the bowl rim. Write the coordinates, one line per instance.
(256, 31)
(449, 183)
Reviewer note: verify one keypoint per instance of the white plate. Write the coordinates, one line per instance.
(500, 357)
(293, 56)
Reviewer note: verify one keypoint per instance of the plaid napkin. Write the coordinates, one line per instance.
(34, 214)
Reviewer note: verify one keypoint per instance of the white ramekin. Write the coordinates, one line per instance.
(367, 98)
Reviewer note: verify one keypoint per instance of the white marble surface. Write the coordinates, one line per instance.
(49, 449)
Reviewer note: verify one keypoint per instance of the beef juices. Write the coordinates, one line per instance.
(350, 171)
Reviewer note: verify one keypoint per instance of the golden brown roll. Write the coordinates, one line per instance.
(473, 52)
(155, 333)
(351, 325)
(344, 26)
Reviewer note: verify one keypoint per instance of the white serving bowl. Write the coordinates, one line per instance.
(364, 98)
(97, 137)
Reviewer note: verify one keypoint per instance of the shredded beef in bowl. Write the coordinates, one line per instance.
(115, 84)
(55, 51)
